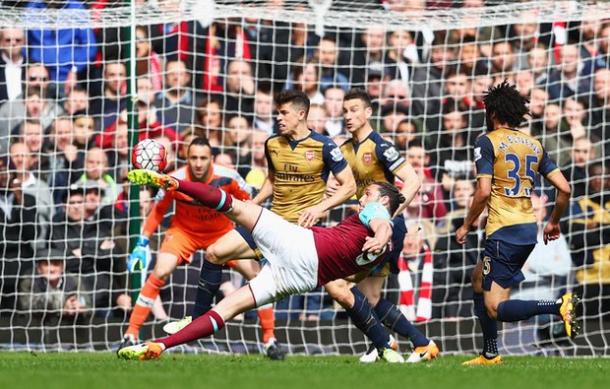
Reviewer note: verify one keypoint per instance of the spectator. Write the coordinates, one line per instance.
(84, 129)
(551, 138)
(573, 76)
(503, 60)
(589, 227)
(96, 170)
(396, 96)
(237, 140)
(574, 119)
(148, 63)
(65, 52)
(113, 99)
(401, 53)
(406, 132)
(240, 88)
(430, 202)
(263, 111)
(118, 155)
(18, 229)
(391, 116)
(146, 91)
(480, 84)
(583, 154)
(317, 118)
(77, 100)
(38, 189)
(524, 80)
(32, 135)
(12, 63)
(469, 55)
(210, 115)
(52, 292)
(175, 103)
(306, 78)
(37, 79)
(65, 161)
(150, 127)
(328, 55)
(457, 90)
(333, 101)
(537, 61)
(374, 86)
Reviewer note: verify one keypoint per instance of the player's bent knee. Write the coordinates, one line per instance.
(165, 265)
(492, 309)
(213, 254)
(340, 292)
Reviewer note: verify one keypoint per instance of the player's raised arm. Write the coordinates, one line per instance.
(411, 185)
(342, 172)
(266, 190)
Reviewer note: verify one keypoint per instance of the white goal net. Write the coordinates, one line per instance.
(70, 82)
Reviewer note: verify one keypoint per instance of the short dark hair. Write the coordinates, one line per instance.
(298, 98)
(199, 141)
(505, 102)
(359, 94)
(396, 198)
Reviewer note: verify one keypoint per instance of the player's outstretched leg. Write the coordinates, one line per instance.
(424, 348)
(205, 325)
(565, 307)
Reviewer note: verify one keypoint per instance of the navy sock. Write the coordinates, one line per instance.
(515, 310)
(391, 317)
(365, 320)
(209, 283)
(488, 326)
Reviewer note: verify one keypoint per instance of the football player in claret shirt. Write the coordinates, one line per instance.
(298, 259)
(300, 162)
(508, 162)
(193, 227)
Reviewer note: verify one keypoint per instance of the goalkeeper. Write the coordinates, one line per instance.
(193, 227)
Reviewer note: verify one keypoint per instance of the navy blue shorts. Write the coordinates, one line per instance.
(502, 263)
(399, 230)
(247, 235)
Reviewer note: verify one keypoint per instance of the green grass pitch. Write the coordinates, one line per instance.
(104, 370)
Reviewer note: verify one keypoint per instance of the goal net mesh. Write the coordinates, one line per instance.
(211, 68)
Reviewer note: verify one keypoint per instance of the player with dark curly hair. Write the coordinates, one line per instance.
(508, 162)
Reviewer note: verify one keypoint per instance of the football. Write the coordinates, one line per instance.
(150, 155)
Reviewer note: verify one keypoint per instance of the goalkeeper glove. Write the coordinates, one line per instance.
(138, 259)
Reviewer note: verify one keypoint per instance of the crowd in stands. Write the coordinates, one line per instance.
(64, 141)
